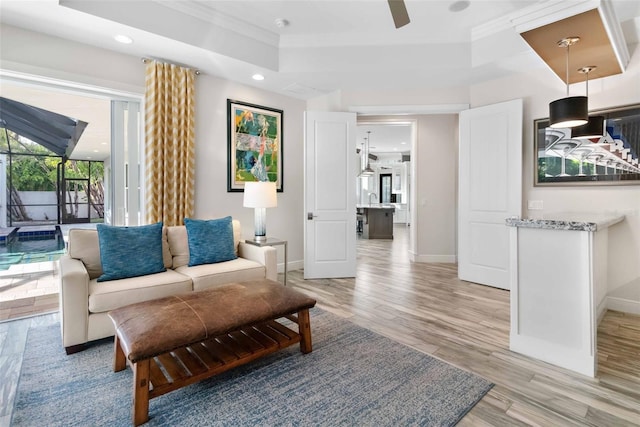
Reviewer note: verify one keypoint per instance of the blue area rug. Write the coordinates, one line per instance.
(352, 377)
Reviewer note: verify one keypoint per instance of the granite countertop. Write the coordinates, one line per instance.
(569, 221)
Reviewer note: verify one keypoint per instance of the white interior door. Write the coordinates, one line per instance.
(330, 171)
(490, 190)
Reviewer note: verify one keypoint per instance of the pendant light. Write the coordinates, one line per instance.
(595, 126)
(570, 111)
(367, 171)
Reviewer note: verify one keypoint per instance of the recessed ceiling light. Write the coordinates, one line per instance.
(257, 77)
(121, 38)
(281, 22)
(95, 151)
(459, 6)
(403, 143)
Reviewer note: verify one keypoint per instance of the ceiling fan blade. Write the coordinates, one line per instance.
(399, 13)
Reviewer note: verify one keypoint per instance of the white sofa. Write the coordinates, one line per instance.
(84, 303)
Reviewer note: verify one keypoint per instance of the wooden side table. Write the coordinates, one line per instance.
(272, 241)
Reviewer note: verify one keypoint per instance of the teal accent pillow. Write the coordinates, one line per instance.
(210, 241)
(130, 251)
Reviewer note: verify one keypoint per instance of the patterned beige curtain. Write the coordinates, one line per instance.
(170, 142)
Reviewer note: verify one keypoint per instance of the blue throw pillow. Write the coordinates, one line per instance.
(130, 251)
(210, 240)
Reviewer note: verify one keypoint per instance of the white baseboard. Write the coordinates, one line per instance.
(293, 265)
(601, 310)
(449, 259)
(577, 360)
(623, 305)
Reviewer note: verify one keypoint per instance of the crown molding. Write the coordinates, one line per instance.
(355, 40)
(534, 16)
(369, 110)
(614, 31)
(550, 11)
(491, 27)
(205, 13)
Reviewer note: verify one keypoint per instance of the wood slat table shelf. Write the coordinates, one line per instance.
(188, 365)
(245, 319)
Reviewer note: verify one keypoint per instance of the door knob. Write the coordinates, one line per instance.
(310, 216)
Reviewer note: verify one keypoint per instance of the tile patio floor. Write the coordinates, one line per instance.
(27, 289)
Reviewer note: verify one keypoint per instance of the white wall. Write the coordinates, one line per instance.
(35, 53)
(50, 199)
(38, 54)
(43, 205)
(417, 96)
(212, 199)
(436, 170)
(538, 89)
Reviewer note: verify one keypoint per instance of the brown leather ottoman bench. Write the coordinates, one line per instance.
(176, 341)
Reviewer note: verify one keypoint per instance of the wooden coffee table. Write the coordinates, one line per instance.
(176, 341)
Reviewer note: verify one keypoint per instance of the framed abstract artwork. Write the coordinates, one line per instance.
(563, 157)
(254, 150)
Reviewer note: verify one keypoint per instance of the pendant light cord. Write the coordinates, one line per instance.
(586, 70)
(587, 83)
(567, 67)
(567, 42)
(368, 146)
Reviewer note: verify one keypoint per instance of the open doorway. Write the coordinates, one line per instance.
(384, 195)
(53, 144)
(43, 194)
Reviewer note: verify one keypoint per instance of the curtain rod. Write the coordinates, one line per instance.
(197, 72)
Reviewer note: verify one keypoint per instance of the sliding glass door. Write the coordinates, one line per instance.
(124, 172)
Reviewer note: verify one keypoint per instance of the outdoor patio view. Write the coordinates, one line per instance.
(54, 175)
(43, 190)
(33, 182)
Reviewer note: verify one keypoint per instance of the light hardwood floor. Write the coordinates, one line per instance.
(425, 306)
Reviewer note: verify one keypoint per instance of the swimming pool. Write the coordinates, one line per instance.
(24, 245)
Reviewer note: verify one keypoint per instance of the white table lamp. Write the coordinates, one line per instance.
(260, 195)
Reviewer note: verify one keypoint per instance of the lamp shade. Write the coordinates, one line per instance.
(593, 129)
(568, 112)
(367, 172)
(260, 194)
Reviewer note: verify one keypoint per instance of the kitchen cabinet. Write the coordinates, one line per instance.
(377, 221)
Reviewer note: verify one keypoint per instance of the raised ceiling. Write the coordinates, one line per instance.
(594, 48)
(349, 45)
